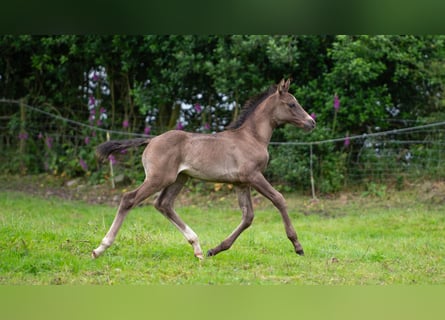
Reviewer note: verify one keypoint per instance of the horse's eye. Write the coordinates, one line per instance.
(292, 104)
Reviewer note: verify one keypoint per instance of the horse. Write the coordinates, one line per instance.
(237, 155)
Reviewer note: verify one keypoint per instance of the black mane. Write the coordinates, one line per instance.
(250, 106)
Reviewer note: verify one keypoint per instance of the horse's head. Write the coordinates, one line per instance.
(288, 110)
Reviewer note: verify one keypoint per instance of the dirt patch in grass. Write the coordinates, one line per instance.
(329, 206)
(432, 192)
(47, 186)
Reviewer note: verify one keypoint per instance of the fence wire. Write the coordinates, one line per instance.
(392, 156)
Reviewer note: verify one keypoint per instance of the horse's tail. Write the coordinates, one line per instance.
(105, 149)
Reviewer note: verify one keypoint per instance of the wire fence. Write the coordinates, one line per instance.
(394, 156)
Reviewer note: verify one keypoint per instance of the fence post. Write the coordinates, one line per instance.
(113, 185)
(22, 136)
(22, 142)
(312, 173)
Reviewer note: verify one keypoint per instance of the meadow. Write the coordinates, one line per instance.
(349, 239)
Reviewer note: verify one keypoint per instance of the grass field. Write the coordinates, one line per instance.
(396, 238)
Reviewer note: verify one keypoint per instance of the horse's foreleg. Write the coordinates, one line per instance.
(164, 203)
(264, 187)
(245, 203)
(129, 201)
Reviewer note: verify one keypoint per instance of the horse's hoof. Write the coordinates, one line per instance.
(210, 253)
(199, 256)
(94, 255)
(300, 252)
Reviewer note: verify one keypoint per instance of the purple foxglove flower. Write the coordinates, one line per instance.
(198, 107)
(112, 159)
(336, 102)
(83, 164)
(347, 141)
(91, 101)
(23, 135)
(49, 142)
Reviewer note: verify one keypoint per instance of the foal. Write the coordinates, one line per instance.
(238, 156)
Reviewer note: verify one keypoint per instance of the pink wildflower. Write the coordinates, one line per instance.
(91, 101)
(198, 107)
(23, 135)
(49, 142)
(347, 141)
(83, 164)
(336, 102)
(112, 159)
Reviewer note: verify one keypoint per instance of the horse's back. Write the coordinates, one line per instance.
(220, 157)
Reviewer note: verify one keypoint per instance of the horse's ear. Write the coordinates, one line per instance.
(283, 86)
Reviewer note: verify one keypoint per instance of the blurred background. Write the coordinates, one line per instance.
(378, 102)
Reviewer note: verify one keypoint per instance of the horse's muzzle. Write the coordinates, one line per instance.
(309, 124)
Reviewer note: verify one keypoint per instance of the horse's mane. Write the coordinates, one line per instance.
(250, 106)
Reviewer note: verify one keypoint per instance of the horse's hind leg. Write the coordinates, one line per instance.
(164, 203)
(245, 203)
(129, 201)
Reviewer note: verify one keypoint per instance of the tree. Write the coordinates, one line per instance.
(150, 84)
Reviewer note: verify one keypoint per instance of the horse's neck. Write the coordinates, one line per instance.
(260, 127)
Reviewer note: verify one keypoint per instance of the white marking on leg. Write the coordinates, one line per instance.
(190, 235)
(104, 245)
(109, 238)
(193, 239)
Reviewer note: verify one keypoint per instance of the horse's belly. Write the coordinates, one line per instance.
(208, 174)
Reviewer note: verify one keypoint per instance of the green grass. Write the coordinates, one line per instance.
(354, 240)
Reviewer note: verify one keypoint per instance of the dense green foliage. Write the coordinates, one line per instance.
(150, 84)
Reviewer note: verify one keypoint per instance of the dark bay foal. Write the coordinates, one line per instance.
(237, 155)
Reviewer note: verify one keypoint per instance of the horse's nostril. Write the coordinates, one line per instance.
(310, 124)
